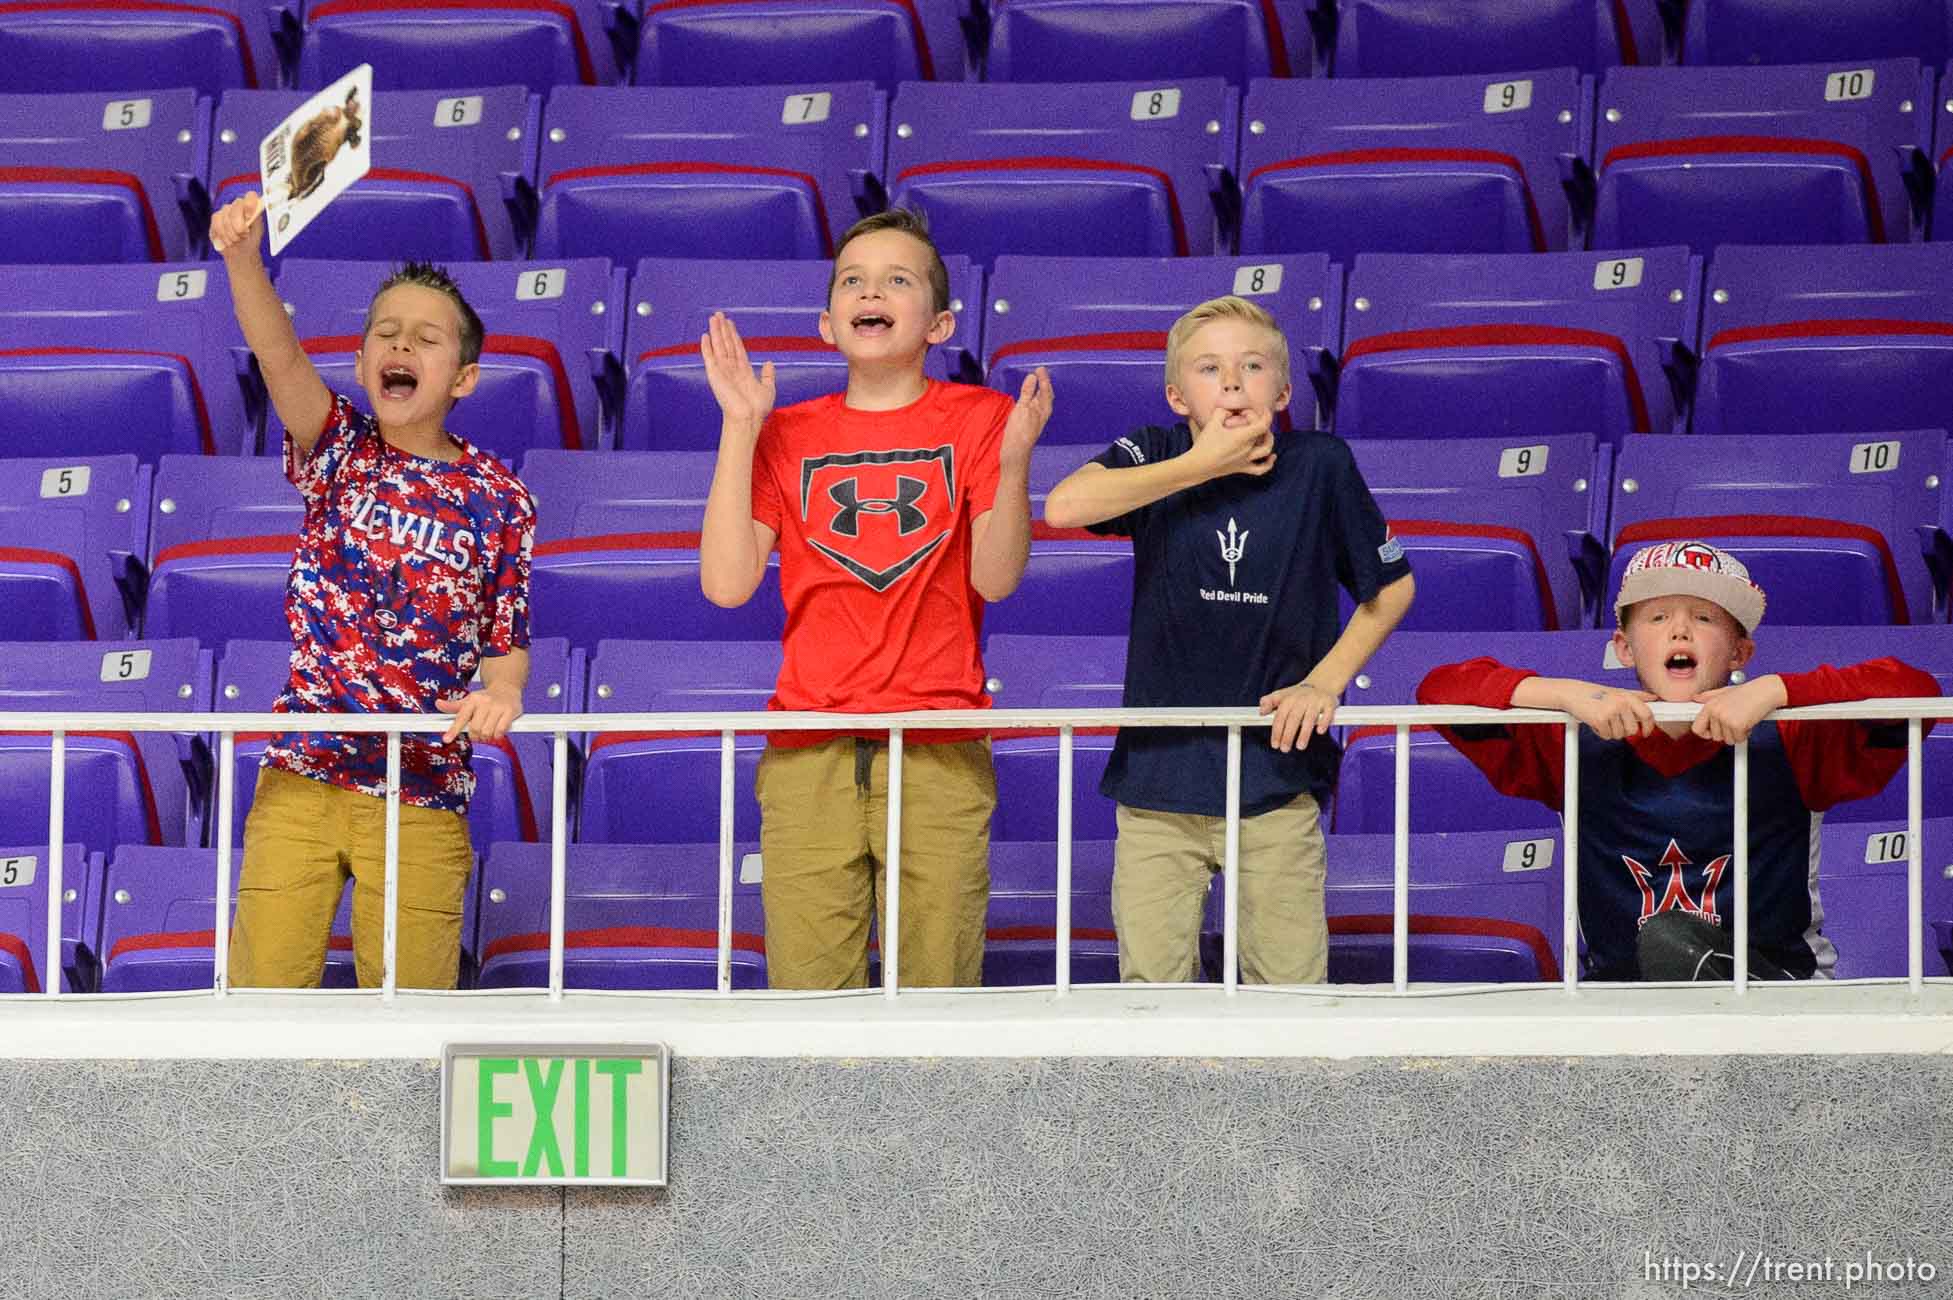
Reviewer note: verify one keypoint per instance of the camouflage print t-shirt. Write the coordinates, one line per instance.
(407, 572)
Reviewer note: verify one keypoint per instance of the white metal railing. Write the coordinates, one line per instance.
(729, 725)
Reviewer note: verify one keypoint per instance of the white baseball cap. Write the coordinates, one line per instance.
(1691, 568)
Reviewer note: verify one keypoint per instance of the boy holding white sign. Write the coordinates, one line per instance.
(411, 570)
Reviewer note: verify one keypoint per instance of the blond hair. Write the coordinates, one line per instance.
(1227, 307)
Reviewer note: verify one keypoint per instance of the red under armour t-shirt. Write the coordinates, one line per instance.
(873, 511)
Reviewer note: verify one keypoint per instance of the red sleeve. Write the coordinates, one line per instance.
(1835, 762)
(766, 491)
(986, 440)
(1526, 762)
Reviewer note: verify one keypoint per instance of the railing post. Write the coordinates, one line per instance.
(1570, 864)
(1741, 924)
(220, 978)
(725, 860)
(1063, 956)
(390, 927)
(1915, 856)
(559, 856)
(1231, 869)
(57, 816)
(1400, 867)
(892, 931)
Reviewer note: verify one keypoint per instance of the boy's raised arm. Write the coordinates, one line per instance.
(297, 393)
(1092, 493)
(732, 544)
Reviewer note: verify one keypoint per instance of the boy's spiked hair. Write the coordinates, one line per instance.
(429, 276)
(1227, 307)
(910, 222)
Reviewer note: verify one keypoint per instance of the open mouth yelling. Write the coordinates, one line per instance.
(871, 324)
(398, 383)
(1680, 664)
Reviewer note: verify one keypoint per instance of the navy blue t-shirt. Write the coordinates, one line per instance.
(1234, 596)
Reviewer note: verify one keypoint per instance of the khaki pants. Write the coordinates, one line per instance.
(301, 842)
(1161, 869)
(824, 855)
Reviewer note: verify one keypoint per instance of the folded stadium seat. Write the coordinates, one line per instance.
(1422, 38)
(158, 916)
(220, 549)
(635, 916)
(1130, 40)
(125, 46)
(616, 550)
(1485, 906)
(1053, 672)
(1099, 324)
(662, 787)
(1830, 525)
(1417, 165)
(1447, 792)
(451, 169)
(122, 787)
(436, 44)
(1802, 154)
(1811, 31)
(1862, 882)
(91, 178)
(73, 534)
(783, 42)
(552, 336)
(1516, 346)
(777, 306)
(106, 360)
(1496, 529)
(512, 775)
(23, 917)
(1826, 340)
(1021, 930)
(685, 171)
(1132, 169)
(1075, 583)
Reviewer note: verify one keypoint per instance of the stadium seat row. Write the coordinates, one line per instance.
(1544, 159)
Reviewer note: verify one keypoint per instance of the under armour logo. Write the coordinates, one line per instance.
(908, 518)
(1231, 548)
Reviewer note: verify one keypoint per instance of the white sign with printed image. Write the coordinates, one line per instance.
(314, 155)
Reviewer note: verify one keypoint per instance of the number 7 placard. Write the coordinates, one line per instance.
(310, 158)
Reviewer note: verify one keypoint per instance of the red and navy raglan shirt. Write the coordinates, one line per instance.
(407, 572)
(1656, 828)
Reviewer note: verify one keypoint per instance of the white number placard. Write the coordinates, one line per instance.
(17, 873)
(1251, 280)
(125, 114)
(1874, 457)
(125, 665)
(1528, 855)
(1152, 105)
(806, 106)
(181, 286)
(1853, 83)
(751, 869)
(1885, 846)
(1618, 273)
(461, 110)
(533, 286)
(1523, 462)
(1508, 96)
(65, 481)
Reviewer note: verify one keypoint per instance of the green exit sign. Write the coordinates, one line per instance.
(555, 1114)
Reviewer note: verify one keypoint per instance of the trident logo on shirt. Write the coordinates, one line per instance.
(1231, 548)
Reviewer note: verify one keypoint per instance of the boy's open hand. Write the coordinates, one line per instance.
(1244, 449)
(1730, 712)
(1301, 711)
(1614, 714)
(1028, 417)
(484, 714)
(238, 226)
(743, 396)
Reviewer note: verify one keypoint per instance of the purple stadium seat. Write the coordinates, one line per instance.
(1449, 794)
(1829, 524)
(210, 46)
(552, 334)
(436, 44)
(157, 922)
(1517, 346)
(1485, 906)
(777, 306)
(636, 916)
(1494, 528)
(1110, 168)
(684, 171)
(1813, 31)
(220, 549)
(512, 775)
(1075, 584)
(78, 185)
(785, 42)
(1100, 324)
(1421, 38)
(73, 533)
(663, 787)
(23, 917)
(1826, 340)
(617, 550)
(1424, 165)
(122, 787)
(1053, 672)
(1807, 154)
(1021, 930)
(444, 193)
(1132, 40)
(107, 360)
(1862, 881)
